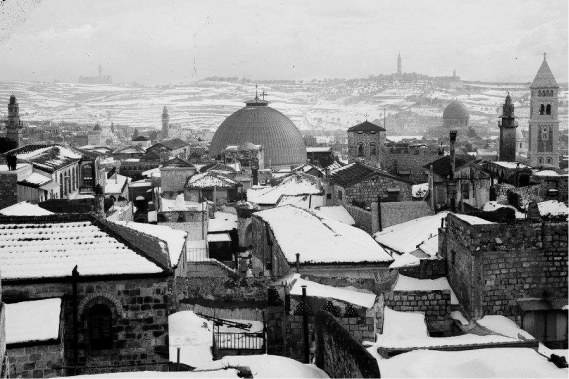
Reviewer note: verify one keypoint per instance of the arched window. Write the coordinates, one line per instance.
(545, 133)
(100, 327)
(541, 109)
(548, 109)
(549, 161)
(87, 175)
(372, 149)
(540, 160)
(539, 93)
(361, 150)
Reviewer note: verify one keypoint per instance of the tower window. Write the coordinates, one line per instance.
(548, 109)
(545, 133)
(540, 160)
(372, 149)
(541, 109)
(361, 150)
(549, 161)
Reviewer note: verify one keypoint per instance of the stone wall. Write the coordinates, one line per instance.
(393, 213)
(411, 159)
(140, 317)
(267, 257)
(427, 269)
(435, 305)
(36, 361)
(368, 190)
(8, 189)
(506, 262)
(361, 216)
(339, 354)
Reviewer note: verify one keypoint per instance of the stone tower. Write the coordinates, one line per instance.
(165, 123)
(399, 68)
(508, 127)
(13, 124)
(543, 121)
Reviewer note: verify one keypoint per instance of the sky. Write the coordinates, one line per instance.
(166, 41)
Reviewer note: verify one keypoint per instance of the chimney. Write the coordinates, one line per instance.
(99, 202)
(452, 155)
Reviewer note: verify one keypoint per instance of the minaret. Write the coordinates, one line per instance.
(508, 127)
(454, 73)
(543, 121)
(13, 124)
(165, 123)
(100, 70)
(399, 68)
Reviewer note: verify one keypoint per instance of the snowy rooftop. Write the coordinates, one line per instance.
(174, 238)
(313, 289)
(24, 208)
(406, 283)
(293, 184)
(36, 179)
(510, 165)
(222, 222)
(179, 204)
(403, 325)
(116, 184)
(209, 180)
(295, 229)
(473, 220)
(419, 190)
(336, 212)
(493, 205)
(303, 201)
(48, 157)
(405, 237)
(24, 323)
(51, 247)
(552, 208)
(546, 173)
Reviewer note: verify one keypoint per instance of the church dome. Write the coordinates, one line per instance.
(262, 125)
(456, 114)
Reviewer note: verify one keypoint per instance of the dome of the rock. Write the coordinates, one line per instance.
(456, 115)
(260, 124)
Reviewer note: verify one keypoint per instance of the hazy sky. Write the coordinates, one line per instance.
(175, 41)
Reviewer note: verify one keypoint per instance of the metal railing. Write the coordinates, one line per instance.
(239, 341)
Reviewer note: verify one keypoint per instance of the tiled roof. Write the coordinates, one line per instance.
(366, 126)
(134, 149)
(171, 144)
(544, 77)
(178, 162)
(51, 246)
(217, 167)
(210, 180)
(357, 172)
(140, 138)
(47, 158)
(442, 166)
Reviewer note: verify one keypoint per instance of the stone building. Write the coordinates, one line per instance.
(360, 184)
(171, 148)
(174, 174)
(516, 270)
(212, 186)
(544, 122)
(320, 156)
(366, 142)
(121, 297)
(407, 160)
(165, 123)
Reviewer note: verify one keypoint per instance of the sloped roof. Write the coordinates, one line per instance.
(210, 180)
(295, 184)
(51, 246)
(544, 77)
(141, 138)
(178, 162)
(366, 126)
(133, 149)
(24, 208)
(296, 228)
(47, 158)
(357, 172)
(171, 144)
(442, 166)
(217, 167)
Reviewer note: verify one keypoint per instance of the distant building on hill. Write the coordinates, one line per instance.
(100, 79)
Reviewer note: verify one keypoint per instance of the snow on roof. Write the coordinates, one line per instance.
(24, 208)
(49, 158)
(193, 335)
(510, 165)
(457, 315)
(294, 184)
(43, 250)
(31, 321)
(174, 238)
(419, 190)
(222, 222)
(313, 289)
(115, 185)
(405, 237)
(168, 205)
(336, 212)
(403, 325)
(303, 201)
(37, 179)
(406, 283)
(218, 237)
(503, 325)
(493, 205)
(552, 208)
(295, 229)
(405, 260)
(210, 179)
(152, 172)
(546, 173)
(430, 246)
(473, 220)
(317, 149)
(266, 366)
(482, 363)
(216, 373)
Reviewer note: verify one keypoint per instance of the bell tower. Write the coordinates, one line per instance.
(508, 127)
(165, 123)
(13, 124)
(543, 121)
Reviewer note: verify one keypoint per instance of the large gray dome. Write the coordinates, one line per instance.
(262, 125)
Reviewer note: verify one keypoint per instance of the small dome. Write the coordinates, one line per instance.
(262, 125)
(12, 99)
(97, 128)
(456, 115)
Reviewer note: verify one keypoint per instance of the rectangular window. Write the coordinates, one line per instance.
(329, 196)
(340, 195)
(452, 257)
